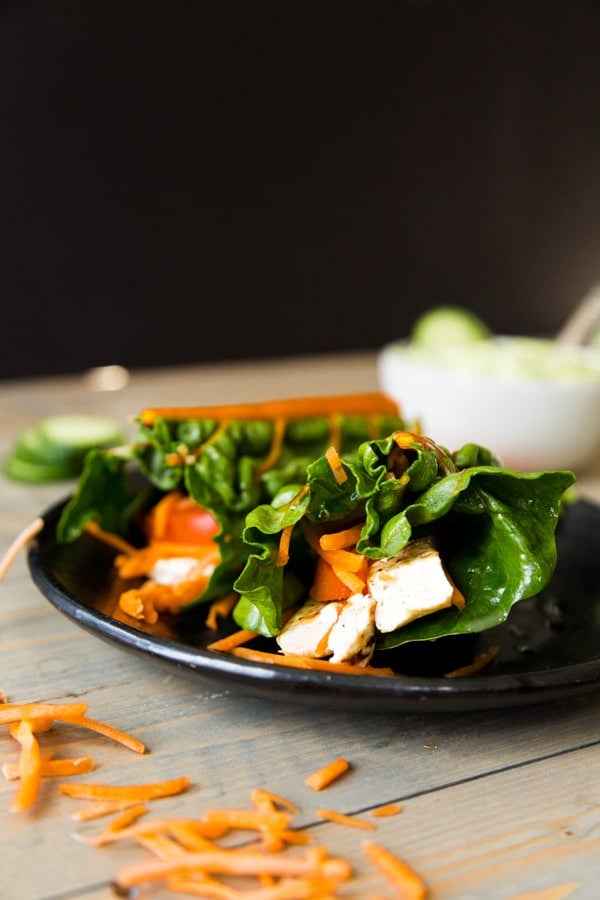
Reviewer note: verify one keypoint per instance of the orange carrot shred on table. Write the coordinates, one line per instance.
(138, 792)
(232, 641)
(235, 862)
(411, 885)
(99, 808)
(479, 663)
(389, 809)
(19, 544)
(220, 609)
(109, 731)
(126, 817)
(166, 826)
(30, 768)
(260, 797)
(328, 774)
(65, 712)
(332, 815)
(52, 768)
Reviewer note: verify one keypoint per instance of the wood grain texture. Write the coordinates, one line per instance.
(495, 804)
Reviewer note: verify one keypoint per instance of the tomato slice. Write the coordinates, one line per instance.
(180, 519)
(189, 523)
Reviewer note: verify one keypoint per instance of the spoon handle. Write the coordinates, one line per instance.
(580, 322)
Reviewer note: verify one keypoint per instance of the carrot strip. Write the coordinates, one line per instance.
(260, 797)
(480, 661)
(202, 887)
(235, 862)
(189, 836)
(283, 551)
(161, 845)
(295, 408)
(246, 819)
(329, 773)
(127, 817)
(220, 609)
(336, 465)
(66, 712)
(30, 768)
(397, 871)
(390, 809)
(308, 662)
(109, 731)
(53, 767)
(108, 537)
(279, 426)
(99, 808)
(170, 825)
(339, 818)
(232, 641)
(19, 543)
(340, 540)
(138, 792)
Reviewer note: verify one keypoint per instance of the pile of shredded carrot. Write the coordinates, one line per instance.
(273, 861)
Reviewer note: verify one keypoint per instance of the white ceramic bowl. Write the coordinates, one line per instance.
(534, 405)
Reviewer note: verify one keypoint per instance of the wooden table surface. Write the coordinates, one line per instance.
(496, 804)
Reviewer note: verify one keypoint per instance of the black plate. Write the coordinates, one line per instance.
(549, 646)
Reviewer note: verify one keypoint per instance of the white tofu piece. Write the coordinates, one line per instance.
(352, 637)
(409, 585)
(176, 570)
(307, 632)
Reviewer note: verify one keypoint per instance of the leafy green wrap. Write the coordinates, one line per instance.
(228, 465)
(495, 529)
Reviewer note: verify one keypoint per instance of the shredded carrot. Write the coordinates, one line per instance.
(65, 712)
(99, 808)
(308, 662)
(283, 552)
(159, 516)
(332, 815)
(295, 408)
(390, 809)
(138, 792)
(236, 862)
(232, 641)
(480, 661)
(328, 774)
(336, 465)
(108, 537)
(279, 426)
(30, 768)
(109, 731)
(169, 826)
(126, 817)
(340, 540)
(19, 543)
(53, 767)
(261, 798)
(411, 886)
(220, 609)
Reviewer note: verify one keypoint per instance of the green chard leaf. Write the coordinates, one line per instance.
(494, 527)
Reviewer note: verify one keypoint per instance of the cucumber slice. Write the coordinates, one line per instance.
(449, 325)
(80, 432)
(20, 469)
(56, 448)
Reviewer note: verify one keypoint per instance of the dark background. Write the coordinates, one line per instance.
(188, 182)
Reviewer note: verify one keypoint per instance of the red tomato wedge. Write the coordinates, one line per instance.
(180, 519)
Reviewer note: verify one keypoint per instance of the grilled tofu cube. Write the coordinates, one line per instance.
(307, 632)
(352, 638)
(409, 585)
